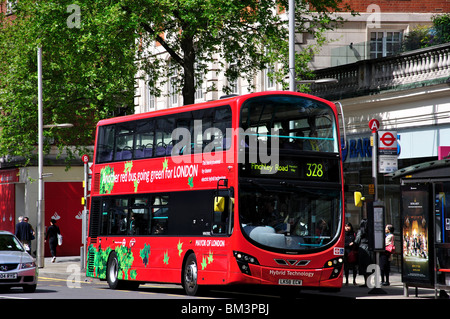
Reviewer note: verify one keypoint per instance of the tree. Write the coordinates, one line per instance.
(441, 24)
(247, 35)
(88, 72)
(93, 50)
(424, 36)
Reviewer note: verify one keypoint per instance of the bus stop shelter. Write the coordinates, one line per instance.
(425, 222)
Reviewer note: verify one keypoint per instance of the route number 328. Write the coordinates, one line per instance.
(314, 170)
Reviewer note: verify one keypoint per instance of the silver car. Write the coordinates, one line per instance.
(17, 267)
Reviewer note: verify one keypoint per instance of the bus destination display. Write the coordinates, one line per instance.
(325, 170)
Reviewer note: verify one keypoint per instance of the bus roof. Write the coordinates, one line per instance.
(201, 105)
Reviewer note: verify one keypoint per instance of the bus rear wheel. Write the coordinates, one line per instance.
(112, 275)
(190, 276)
(112, 271)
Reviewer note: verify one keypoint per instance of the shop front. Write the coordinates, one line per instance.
(63, 190)
(358, 171)
(8, 180)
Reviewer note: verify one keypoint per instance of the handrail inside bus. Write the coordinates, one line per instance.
(288, 136)
(343, 124)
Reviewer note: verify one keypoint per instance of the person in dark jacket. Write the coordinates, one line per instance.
(52, 237)
(364, 257)
(24, 232)
(350, 253)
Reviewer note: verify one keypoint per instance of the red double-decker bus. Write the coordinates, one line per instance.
(242, 190)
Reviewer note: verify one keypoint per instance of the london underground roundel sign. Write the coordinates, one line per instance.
(388, 139)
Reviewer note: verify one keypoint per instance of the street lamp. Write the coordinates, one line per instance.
(318, 81)
(41, 126)
(291, 17)
(63, 125)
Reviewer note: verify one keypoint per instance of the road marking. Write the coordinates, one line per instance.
(59, 279)
(10, 297)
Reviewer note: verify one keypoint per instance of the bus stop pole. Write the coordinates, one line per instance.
(376, 290)
(374, 163)
(292, 45)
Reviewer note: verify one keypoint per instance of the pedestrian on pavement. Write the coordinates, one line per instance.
(386, 256)
(24, 232)
(33, 234)
(52, 236)
(364, 257)
(350, 253)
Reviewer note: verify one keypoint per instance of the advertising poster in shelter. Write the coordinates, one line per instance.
(416, 266)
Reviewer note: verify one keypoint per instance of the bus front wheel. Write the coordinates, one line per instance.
(190, 277)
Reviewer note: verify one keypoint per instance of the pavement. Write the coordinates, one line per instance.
(70, 268)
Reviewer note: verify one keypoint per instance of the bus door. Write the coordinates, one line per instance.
(223, 209)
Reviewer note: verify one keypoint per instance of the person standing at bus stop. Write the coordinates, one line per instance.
(386, 256)
(52, 236)
(364, 257)
(350, 253)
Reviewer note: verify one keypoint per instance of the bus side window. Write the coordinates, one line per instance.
(144, 139)
(160, 215)
(105, 143)
(124, 142)
(139, 223)
(117, 221)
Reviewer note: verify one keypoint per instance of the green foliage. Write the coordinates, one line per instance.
(241, 37)
(88, 71)
(417, 38)
(100, 261)
(91, 57)
(106, 180)
(424, 36)
(125, 259)
(441, 25)
(144, 253)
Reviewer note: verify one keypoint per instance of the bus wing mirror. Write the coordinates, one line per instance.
(219, 204)
(358, 199)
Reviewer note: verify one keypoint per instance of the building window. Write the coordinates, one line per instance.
(385, 43)
(199, 93)
(150, 99)
(269, 83)
(199, 88)
(173, 89)
(10, 7)
(233, 83)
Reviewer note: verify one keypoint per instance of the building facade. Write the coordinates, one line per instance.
(408, 92)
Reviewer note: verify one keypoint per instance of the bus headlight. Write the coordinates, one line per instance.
(336, 264)
(243, 261)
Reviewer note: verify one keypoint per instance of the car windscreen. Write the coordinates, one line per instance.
(9, 243)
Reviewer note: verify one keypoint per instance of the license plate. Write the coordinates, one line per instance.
(8, 276)
(290, 282)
